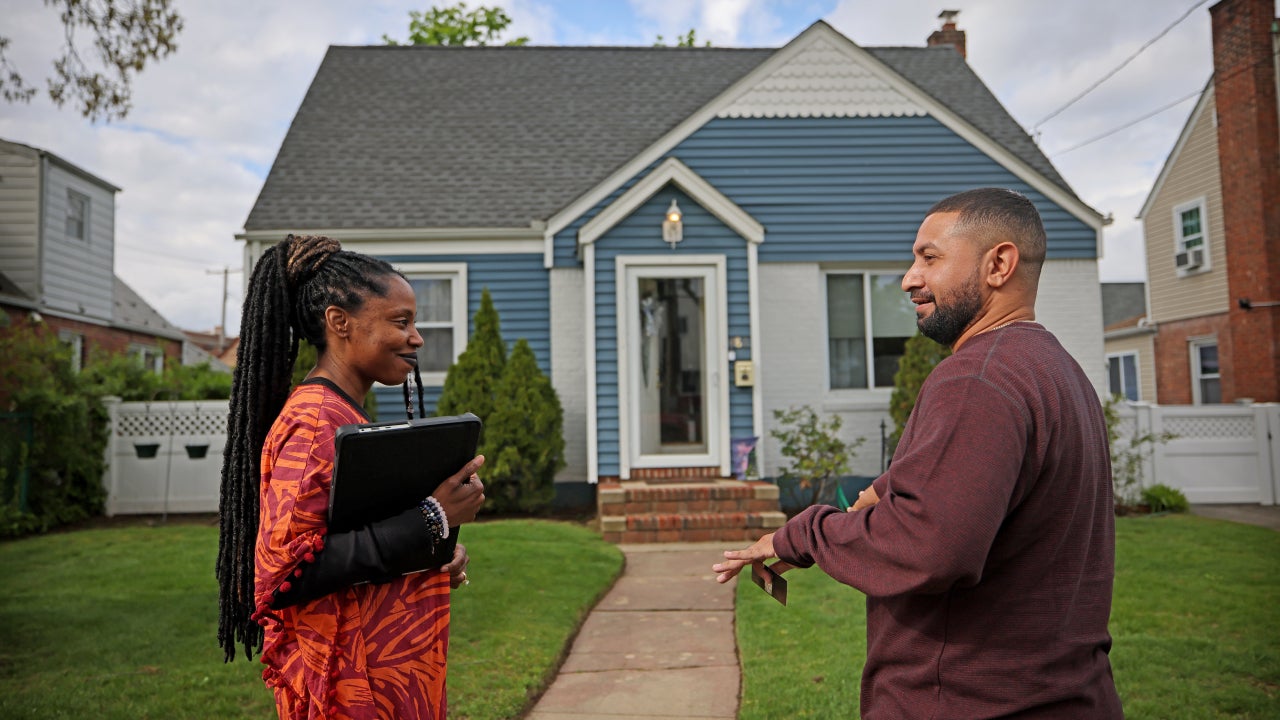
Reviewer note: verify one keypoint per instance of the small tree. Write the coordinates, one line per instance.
(524, 445)
(818, 456)
(456, 25)
(472, 381)
(69, 433)
(919, 359)
(1128, 455)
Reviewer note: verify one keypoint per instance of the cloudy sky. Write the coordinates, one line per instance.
(207, 121)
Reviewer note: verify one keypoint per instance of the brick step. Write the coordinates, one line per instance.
(705, 509)
(690, 527)
(637, 498)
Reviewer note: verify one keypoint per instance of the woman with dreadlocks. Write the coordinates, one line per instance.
(344, 633)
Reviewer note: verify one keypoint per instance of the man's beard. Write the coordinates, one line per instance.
(948, 322)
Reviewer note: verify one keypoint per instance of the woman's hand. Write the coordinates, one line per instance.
(462, 494)
(457, 567)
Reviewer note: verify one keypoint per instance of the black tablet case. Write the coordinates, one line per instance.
(382, 469)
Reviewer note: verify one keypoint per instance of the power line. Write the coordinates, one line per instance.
(1127, 125)
(1119, 67)
(153, 251)
(1214, 79)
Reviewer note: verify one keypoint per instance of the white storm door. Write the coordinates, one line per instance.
(671, 364)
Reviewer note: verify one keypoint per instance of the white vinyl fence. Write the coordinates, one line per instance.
(165, 457)
(1221, 453)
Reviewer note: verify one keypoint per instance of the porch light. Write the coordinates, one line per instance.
(672, 226)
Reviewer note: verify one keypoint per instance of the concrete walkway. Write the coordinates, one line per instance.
(1267, 516)
(659, 645)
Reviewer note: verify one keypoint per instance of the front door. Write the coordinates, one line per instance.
(673, 412)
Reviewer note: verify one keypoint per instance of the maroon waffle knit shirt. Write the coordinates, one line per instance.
(989, 560)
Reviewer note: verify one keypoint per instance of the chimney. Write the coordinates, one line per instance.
(949, 35)
(1244, 83)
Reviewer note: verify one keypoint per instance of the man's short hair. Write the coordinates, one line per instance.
(996, 215)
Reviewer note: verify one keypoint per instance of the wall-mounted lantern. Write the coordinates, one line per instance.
(673, 226)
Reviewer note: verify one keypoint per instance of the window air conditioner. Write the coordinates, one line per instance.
(1189, 259)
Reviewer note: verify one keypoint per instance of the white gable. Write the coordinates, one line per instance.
(821, 80)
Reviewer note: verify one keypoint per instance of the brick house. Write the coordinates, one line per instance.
(57, 254)
(1212, 227)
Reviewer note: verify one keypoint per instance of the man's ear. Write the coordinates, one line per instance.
(337, 321)
(1002, 263)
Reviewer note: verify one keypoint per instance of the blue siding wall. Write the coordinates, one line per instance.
(845, 189)
(521, 292)
(641, 234)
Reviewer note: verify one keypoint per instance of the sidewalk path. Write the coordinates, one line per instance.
(659, 645)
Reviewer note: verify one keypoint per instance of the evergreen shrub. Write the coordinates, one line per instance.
(919, 359)
(522, 440)
(524, 435)
(1162, 498)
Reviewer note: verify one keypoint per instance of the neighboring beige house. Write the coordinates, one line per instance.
(1186, 255)
(57, 257)
(1128, 340)
(1212, 229)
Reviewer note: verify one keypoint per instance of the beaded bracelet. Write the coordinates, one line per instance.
(433, 513)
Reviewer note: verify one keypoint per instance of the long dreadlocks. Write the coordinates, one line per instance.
(288, 292)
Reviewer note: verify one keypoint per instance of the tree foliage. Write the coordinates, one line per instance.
(124, 35)
(919, 359)
(687, 40)
(472, 381)
(818, 455)
(456, 25)
(524, 437)
(64, 459)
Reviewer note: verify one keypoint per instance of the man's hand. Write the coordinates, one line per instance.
(457, 567)
(735, 560)
(866, 499)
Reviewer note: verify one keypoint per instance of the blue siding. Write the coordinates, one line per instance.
(641, 234)
(844, 189)
(521, 292)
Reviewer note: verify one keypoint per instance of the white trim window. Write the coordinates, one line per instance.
(75, 341)
(77, 215)
(441, 291)
(1206, 377)
(1122, 375)
(1191, 237)
(151, 356)
(869, 320)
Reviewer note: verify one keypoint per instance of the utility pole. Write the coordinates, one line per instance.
(225, 272)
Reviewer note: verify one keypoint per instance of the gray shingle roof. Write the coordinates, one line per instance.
(444, 137)
(132, 312)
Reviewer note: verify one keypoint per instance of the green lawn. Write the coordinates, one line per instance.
(1195, 620)
(122, 622)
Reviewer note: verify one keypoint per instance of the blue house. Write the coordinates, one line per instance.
(553, 176)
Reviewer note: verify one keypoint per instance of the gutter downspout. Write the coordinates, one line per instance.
(43, 186)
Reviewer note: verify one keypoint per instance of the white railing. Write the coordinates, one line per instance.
(1221, 453)
(164, 457)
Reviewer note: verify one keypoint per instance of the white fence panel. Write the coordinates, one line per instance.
(165, 457)
(1221, 453)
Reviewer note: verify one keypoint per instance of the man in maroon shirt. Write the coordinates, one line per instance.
(987, 550)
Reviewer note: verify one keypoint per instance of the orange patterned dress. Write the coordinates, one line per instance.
(368, 651)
